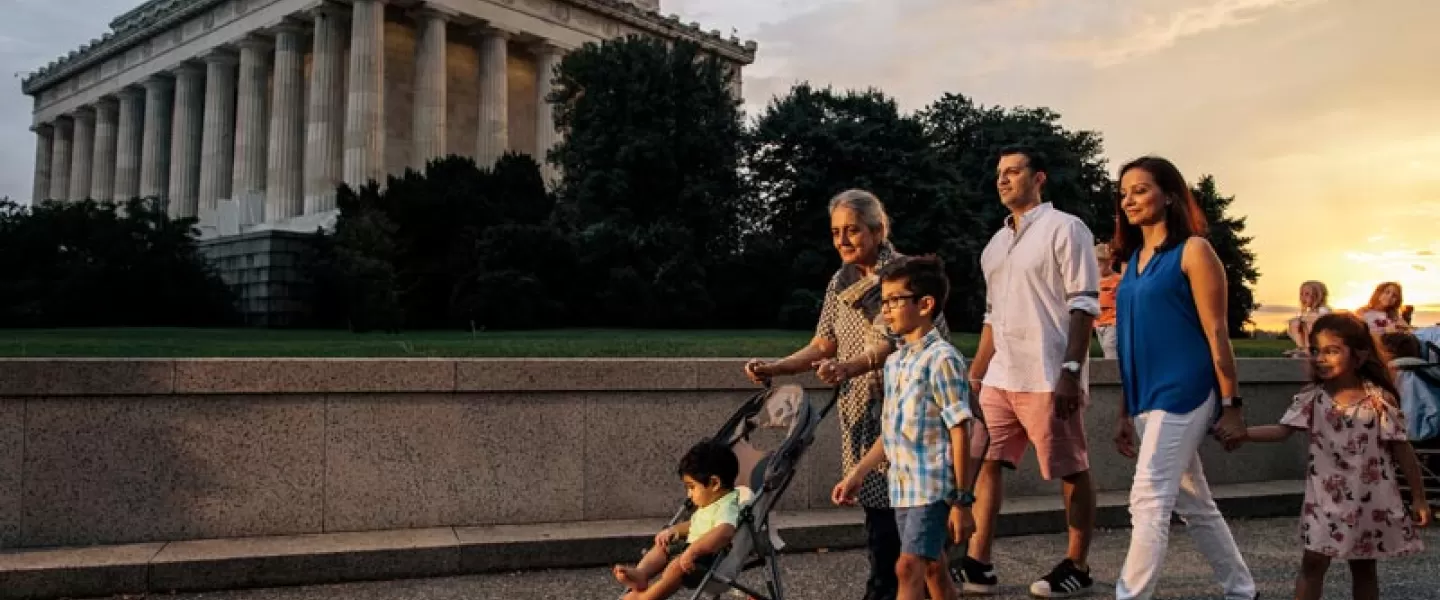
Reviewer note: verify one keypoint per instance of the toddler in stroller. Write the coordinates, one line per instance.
(709, 471)
(1415, 364)
(732, 488)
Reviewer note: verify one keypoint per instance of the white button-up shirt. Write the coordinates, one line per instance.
(1035, 274)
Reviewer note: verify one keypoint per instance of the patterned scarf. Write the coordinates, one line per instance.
(863, 291)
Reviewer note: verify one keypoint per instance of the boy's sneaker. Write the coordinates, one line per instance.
(1064, 581)
(974, 576)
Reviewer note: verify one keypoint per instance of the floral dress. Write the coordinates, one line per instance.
(1353, 507)
(851, 320)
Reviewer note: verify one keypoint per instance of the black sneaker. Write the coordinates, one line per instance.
(1063, 581)
(974, 576)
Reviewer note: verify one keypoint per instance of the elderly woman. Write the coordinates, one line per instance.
(850, 345)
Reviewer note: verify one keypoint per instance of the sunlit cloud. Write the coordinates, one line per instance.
(1150, 27)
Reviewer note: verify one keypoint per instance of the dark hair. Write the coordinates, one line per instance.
(1037, 159)
(923, 275)
(711, 459)
(1399, 344)
(1355, 334)
(1183, 217)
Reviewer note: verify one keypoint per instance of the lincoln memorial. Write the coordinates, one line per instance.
(247, 114)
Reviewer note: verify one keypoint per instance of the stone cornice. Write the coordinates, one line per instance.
(157, 16)
(126, 30)
(671, 26)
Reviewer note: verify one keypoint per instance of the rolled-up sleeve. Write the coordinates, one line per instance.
(1075, 251)
(952, 393)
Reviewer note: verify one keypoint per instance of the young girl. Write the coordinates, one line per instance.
(1314, 304)
(1353, 509)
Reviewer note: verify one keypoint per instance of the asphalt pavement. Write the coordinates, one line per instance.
(1271, 547)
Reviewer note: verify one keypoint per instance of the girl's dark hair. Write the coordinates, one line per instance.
(1356, 336)
(1183, 217)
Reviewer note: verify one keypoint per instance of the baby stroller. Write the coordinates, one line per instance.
(1419, 382)
(763, 479)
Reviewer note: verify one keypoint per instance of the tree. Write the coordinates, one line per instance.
(452, 247)
(814, 143)
(1234, 252)
(650, 183)
(968, 138)
(93, 264)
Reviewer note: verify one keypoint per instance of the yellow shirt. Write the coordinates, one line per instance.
(725, 510)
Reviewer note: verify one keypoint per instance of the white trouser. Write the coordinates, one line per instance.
(1169, 477)
(1106, 335)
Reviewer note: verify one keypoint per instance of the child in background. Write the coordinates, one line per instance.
(708, 470)
(1109, 281)
(1358, 448)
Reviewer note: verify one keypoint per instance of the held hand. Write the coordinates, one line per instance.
(961, 525)
(844, 492)
(758, 371)
(831, 371)
(1125, 442)
(975, 389)
(1423, 516)
(1067, 395)
(1230, 430)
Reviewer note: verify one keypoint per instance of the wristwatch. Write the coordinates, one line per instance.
(1072, 366)
(964, 498)
(1234, 401)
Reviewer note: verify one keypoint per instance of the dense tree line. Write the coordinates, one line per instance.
(674, 212)
(79, 264)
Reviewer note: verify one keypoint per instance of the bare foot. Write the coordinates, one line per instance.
(631, 578)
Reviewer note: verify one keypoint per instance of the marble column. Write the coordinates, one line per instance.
(364, 109)
(429, 116)
(325, 124)
(102, 173)
(44, 148)
(252, 122)
(547, 58)
(82, 153)
(60, 160)
(185, 140)
(217, 143)
(285, 180)
(494, 135)
(127, 144)
(155, 144)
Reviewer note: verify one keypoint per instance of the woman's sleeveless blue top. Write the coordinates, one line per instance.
(1164, 355)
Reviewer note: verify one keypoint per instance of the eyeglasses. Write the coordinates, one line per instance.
(894, 301)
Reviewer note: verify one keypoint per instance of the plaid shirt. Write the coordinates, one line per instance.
(926, 394)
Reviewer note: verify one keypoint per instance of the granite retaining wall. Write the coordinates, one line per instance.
(97, 451)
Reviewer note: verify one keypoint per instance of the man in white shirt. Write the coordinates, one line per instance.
(1030, 372)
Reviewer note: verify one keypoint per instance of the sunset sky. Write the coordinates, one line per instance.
(1320, 116)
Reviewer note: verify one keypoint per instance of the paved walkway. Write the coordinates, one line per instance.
(1270, 546)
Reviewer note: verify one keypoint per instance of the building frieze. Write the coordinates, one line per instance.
(160, 22)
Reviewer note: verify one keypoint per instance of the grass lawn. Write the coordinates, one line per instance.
(159, 342)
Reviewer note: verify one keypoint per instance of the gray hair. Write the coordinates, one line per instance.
(870, 209)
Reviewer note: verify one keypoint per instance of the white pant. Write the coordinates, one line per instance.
(1169, 477)
(1106, 334)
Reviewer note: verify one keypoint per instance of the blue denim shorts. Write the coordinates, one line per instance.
(923, 529)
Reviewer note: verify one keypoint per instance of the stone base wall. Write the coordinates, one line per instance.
(118, 451)
(263, 269)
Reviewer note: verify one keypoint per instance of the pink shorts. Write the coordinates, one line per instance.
(1015, 419)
